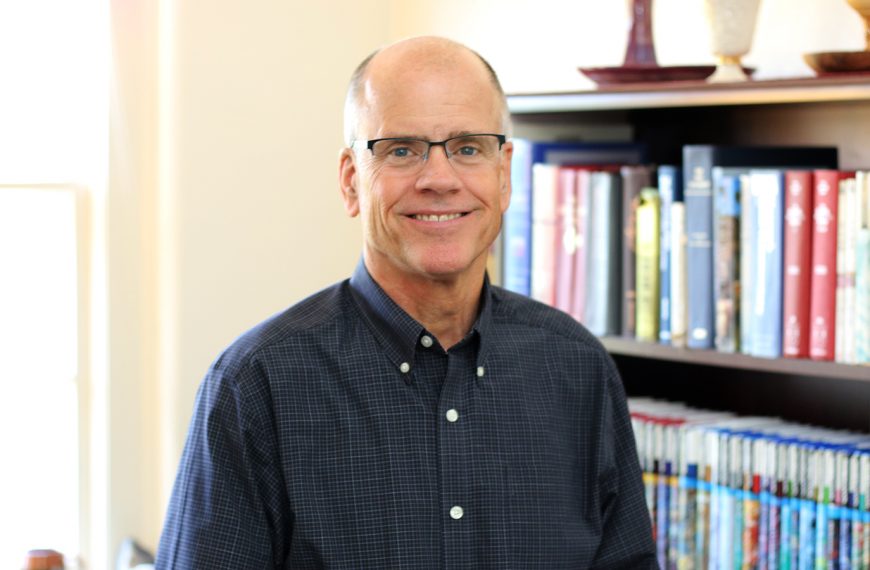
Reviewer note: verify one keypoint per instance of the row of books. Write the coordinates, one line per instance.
(730, 492)
(766, 252)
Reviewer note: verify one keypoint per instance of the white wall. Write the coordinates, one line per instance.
(538, 45)
(228, 127)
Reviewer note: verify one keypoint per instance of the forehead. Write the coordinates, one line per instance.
(432, 98)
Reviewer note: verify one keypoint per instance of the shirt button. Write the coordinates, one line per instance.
(426, 341)
(480, 371)
(405, 367)
(452, 415)
(456, 513)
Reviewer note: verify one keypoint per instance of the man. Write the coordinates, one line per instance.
(414, 416)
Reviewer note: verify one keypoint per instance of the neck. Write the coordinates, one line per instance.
(446, 307)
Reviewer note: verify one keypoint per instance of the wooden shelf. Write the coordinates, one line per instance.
(800, 367)
(846, 87)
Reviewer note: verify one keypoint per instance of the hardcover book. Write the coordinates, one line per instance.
(634, 179)
(517, 262)
(726, 253)
(698, 161)
(647, 260)
(544, 211)
(670, 190)
(797, 245)
(823, 286)
(603, 286)
(766, 200)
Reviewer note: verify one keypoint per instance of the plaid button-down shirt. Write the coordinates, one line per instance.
(340, 434)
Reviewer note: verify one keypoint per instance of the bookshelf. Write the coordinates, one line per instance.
(811, 111)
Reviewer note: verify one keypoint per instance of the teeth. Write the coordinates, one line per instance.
(436, 218)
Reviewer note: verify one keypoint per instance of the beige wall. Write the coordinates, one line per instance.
(223, 202)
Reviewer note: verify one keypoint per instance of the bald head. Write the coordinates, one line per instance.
(410, 60)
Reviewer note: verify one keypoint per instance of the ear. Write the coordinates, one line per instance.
(505, 175)
(347, 181)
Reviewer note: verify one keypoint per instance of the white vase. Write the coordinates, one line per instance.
(732, 25)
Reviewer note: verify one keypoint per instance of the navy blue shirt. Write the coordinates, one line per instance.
(340, 434)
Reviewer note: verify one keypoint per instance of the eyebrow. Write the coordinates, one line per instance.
(450, 135)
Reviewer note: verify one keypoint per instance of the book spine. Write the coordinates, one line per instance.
(697, 164)
(797, 245)
(862, 271)
(748, 225)
(603, 266)
(862, 297)
(726, 231)
(633, 178)
(668, 178)
(679, 275)
(823, 285)
(766, 188)
(566, 238)
(517, 242)
(544, 179)
(848, 187)
(647, 273)
(582, 202)
(840, 296)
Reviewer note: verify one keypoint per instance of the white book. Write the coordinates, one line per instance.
(543, 277)
(844, 339)
(679, 284)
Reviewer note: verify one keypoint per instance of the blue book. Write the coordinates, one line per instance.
(670, 183)
(517, 229)
(767, 207)
(698, 162)
(728, 186)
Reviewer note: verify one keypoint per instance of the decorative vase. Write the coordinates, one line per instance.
(732, 25)
(863, 9)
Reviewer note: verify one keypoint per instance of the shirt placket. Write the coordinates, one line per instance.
(454, 430)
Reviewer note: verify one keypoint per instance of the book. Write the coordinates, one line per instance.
(635, 177)
(647, 265)
(670, 190)
(566, 237)
(517, 227)
(517, 223)
(748, 227)
(766, 200)
(603, 264)
(862, 270)
(847, 233)
(581, 223)
(679, 275)
(698, 161)
(544, 211)
(823, 281)
(797, 245)
(726, 252)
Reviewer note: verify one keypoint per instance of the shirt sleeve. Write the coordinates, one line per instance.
(627, 540)
(228, 507)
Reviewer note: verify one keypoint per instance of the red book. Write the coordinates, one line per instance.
(823, 281)
(797, 267)
(566, 237)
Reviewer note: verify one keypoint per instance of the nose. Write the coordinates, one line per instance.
(437, 173)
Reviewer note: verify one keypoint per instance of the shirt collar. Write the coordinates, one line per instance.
(396, 331)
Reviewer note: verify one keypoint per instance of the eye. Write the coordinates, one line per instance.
(468, 150)
(400, 152)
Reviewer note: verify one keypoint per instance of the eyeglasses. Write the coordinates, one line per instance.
(464, 151)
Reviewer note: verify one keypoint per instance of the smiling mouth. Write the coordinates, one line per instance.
(437, 217)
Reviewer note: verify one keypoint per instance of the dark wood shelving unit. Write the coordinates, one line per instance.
(833, 110)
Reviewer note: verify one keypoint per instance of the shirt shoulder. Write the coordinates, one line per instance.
(328, 308)
(515, 310)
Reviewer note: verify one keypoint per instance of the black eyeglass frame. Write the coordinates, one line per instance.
(371, 143)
